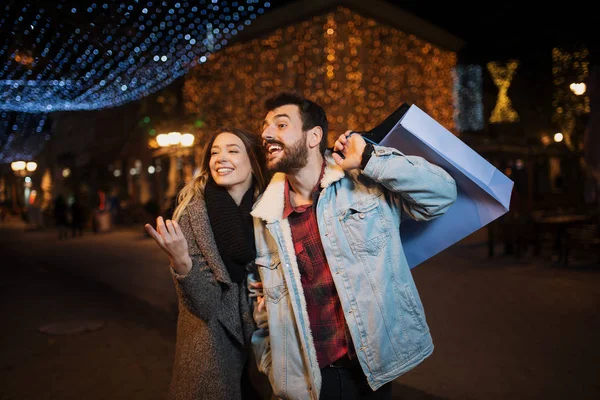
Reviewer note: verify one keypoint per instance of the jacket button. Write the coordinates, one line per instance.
(361, 215)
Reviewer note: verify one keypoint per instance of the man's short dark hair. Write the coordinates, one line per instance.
(311, 113)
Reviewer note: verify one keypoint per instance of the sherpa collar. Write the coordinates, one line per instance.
(270, 205)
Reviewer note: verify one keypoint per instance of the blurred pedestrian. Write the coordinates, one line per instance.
(77, 218)
(61, 218)
(210, 243)
(34, 211)
(113, 206)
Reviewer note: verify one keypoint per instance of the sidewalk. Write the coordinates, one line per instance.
(502, 328)
(125, 259)
(68, 338)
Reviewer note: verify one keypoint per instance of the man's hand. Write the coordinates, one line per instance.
(260, 300)
(352, 147)
(170, 238)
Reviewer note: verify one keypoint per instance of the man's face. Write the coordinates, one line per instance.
(284, 140)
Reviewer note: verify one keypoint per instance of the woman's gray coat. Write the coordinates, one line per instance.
(215, 319)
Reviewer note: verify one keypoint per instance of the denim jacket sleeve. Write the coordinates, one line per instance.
(427, 190)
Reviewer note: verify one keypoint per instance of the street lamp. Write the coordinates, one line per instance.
(31, 166)
(22, 168)
(175, 139)
(18, 167)
(187, 140)
(175, 143)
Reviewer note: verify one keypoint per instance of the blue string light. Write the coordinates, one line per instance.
(82, 55)
(468, 98)
(22, 135)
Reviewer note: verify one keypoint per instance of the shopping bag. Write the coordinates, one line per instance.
(483, 191)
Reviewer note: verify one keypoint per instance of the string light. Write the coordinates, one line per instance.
(569, 67)
(96, 55)
(357, 68)
(22, 135)
(578, 88)
(502, 75)
(468, 97)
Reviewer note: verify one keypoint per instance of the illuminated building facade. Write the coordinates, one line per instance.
(358, 68)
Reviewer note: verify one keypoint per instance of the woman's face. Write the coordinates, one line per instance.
(229, 162)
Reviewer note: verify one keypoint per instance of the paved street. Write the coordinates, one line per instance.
(503, 329)
(126, 347)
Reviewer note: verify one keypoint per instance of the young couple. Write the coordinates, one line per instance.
(306, 270)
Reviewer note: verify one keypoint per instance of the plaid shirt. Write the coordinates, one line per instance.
(325, 311)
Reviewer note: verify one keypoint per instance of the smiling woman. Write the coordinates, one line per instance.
(210, 244)
(230, 165)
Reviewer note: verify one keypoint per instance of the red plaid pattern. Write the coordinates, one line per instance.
(325, 312)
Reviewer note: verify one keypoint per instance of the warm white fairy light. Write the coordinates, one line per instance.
(502, 75)
(358, 68)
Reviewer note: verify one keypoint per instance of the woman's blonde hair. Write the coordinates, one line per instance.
(195, 187)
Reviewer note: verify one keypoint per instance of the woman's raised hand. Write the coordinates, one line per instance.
(169, 237)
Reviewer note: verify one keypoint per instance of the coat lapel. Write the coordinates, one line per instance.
(270, 206)
(206, 241)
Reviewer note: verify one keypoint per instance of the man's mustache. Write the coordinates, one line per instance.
(267, 142)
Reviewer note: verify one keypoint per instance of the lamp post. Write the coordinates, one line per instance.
(22, 169)
(176, 143)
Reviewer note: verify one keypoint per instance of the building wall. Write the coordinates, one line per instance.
(357, 68)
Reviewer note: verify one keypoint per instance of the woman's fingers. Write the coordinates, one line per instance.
(151, 231)
(160, 226)
(176, 229)
(169, 237)
(170, 227)
(155, 235)
(165, 228)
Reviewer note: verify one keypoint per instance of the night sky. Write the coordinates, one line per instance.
(512, 29)
(505, 30)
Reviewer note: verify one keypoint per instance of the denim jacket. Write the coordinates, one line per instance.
(359, 215)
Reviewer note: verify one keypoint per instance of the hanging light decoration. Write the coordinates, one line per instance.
(22, 135)
(84, 55)
(468, 97)
(357, 67)
(502, 75)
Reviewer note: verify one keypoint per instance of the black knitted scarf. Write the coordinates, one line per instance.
(232, 227)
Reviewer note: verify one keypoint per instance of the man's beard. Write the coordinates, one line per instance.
(295, 157)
